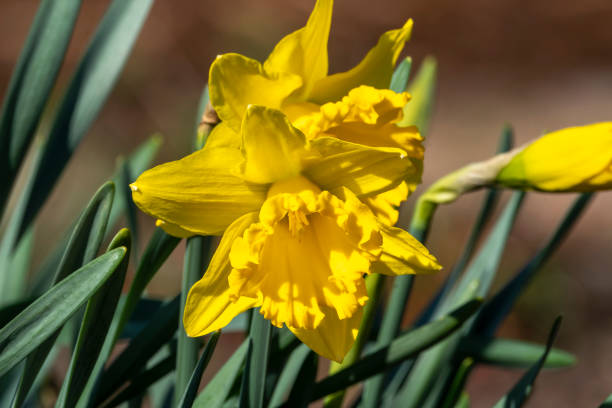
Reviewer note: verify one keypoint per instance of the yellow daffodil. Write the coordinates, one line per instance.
(298, 241)
(352, 106)
(573, 159)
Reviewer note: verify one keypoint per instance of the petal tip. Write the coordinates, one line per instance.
(133, 187)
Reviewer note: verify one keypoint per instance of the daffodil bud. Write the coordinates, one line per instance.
(572, 159)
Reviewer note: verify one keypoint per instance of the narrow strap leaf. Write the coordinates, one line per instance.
(517, 396)
(31, 85)
(403, 347)
(158, 332)
(219, 388)
(82, 246)
(399, 80)
(94, 327)
(191, 390)
(252, 393)
(512, 353)
(194, 264)
(50, 311)
(89, 88)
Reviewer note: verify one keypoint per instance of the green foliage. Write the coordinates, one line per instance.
(427, 365)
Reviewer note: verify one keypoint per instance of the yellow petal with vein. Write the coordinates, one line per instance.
(304, 52)
(333, 338)
(208, 306)
(273, 149)
(237, 81)
(366, 171)
(173, 229)
(374, 70)
(402, 254)
(200, 193)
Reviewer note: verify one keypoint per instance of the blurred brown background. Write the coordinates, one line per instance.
(539, 65)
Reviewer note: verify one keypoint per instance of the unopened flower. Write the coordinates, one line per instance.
(298, 241)
(353, 105)
(572, 159)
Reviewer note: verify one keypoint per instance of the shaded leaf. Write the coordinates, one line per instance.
(191, 390)
(49, 312)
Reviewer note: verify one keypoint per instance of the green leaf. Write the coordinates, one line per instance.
(495, 310)
(31, 84)
(399, 80)
(158, 332)
(517, 396)
(194, 265)
(218, 389)
(19, 266)
(142, 381)
(191, 390)
(49, 312)
(137, 162)
(402, 348)
(159, 248)
(302, 391)
(422, 88)
(124, 176)
(289, 375)
(513, 353)
(432, 365)
(607, 403)
(94, 327)
(81, 248)
(89, 88)
(455, 389)
(252, 392)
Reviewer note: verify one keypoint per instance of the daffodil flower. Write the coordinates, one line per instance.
(572, 159)
(352, 106)
(298, 241)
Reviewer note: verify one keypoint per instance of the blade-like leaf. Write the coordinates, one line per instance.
(495, 310)
(302, 391)
(194, 265)
(96, 321)
(91, 84)
(486, 211)
(403, 347)
(218, 389)
(191, 390)
(49, 312)
(399, 80)
(252, 391)
(158, 332)
(82, 246)
(31, 84)
(607, 403)
(289, 375)
(519, 393)
(422, 88)
(142, 381)
(475, 283)
(513, 353)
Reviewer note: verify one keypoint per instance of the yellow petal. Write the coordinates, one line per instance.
(237, 81)
(374, 70)
(304, 52)
(309, 251)
(224, 136)
(173, 229)
(208, 306)
(333, 338)
(402, 254)
(273, 149)
(385, 206)
(572, 159)
(199, 193)
(366, 171)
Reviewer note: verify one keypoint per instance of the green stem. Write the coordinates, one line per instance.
(402, 285)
